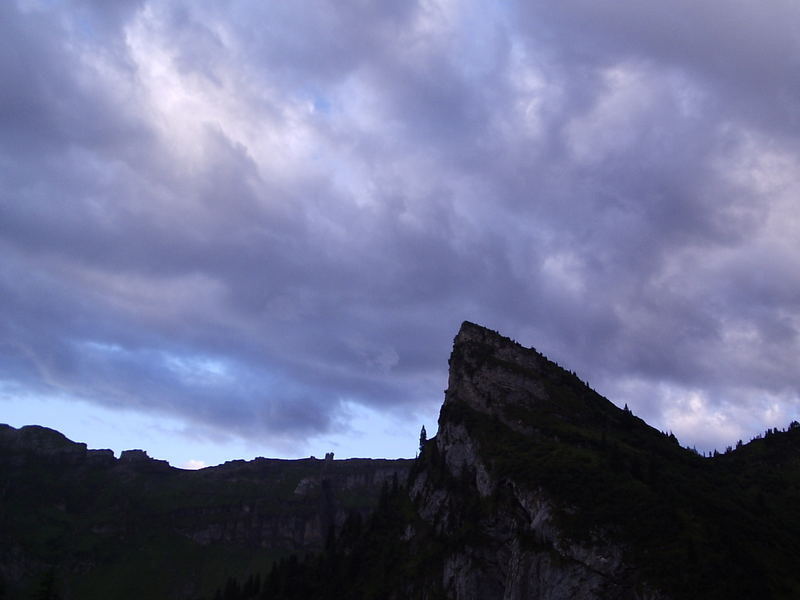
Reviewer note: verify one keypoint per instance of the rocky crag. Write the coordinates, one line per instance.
(501, 399)
(537, 487)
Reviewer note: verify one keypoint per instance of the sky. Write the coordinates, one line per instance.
(246, 228)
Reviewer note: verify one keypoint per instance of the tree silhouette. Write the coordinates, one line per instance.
(47, 587)
(423, 437)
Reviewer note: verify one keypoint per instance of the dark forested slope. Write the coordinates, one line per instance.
(538, 487)
(134, 527)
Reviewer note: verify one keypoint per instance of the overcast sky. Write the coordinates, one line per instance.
(247, 227)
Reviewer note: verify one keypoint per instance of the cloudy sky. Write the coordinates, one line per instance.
(243, 228)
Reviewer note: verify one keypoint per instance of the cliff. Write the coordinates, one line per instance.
(136, 527)
(537, 487)
(554, 492)
(506, 411)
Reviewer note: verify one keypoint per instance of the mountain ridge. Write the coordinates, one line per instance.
(535, 486)
(538, 487)
(629, 481)
(104, 525)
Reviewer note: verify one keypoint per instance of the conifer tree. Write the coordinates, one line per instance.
(423, 437)
(47, 587)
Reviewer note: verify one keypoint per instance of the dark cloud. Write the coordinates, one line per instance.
(253, 216)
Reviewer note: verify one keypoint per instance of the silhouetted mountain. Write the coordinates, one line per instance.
(134, 527)
(537, 487)
(534, 487)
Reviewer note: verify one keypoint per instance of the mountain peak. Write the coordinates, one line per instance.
(36, 438)
(470, 332)
(497, 376)
(534, 487)
(528, 452)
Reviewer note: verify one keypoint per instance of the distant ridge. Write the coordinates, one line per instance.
(133, 527)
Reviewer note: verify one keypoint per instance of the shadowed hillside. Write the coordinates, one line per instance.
(135, 527)
(536, 487)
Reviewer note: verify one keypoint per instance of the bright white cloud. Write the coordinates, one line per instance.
(193, 464)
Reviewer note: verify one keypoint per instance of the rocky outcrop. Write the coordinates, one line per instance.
(34, 443)
(536, 487)
(33, 440)
(513, 547)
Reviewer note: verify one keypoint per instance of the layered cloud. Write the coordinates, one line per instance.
(252, 216)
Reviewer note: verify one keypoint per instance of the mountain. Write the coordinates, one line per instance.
(575, 498)
(535, 487)
(135, 527)
(538, 487)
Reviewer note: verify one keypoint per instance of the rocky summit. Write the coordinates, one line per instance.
(535, 487)
(545, 489)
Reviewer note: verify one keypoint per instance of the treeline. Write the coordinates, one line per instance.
(716, 529)
(366, 560)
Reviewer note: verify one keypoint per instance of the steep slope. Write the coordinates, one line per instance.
(135, 527)
(537, 487)
(572, 497)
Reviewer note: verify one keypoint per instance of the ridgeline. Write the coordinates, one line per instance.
(535, 487)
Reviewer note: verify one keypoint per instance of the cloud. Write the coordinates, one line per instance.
(193, 464)
(254, 217)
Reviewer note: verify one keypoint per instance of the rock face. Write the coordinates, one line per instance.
(518, 550)
(536, 487)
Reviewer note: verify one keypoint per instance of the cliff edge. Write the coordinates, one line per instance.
(506, 410)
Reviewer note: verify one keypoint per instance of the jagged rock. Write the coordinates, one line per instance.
(103, 457)
(37, 441)
(134, 456)
(521, 553)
